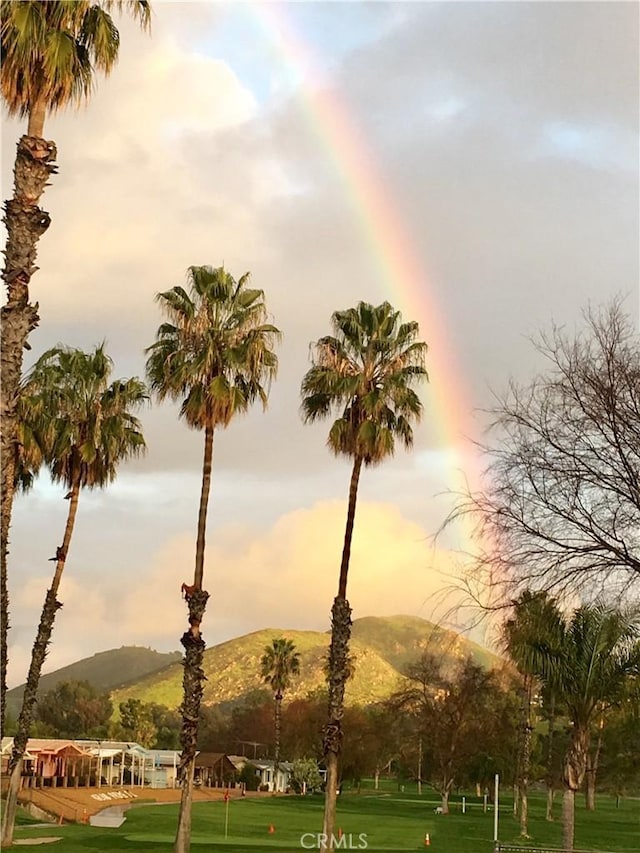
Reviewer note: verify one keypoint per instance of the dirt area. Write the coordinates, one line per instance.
(49, 839)
(77, 804)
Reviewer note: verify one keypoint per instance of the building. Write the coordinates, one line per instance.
(214, 770)
(51, 761)
(55, 762)
(270, 779)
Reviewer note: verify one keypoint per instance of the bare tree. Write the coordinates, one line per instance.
(454, 709)
(560, 509)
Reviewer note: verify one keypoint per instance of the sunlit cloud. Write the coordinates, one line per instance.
(283, 577)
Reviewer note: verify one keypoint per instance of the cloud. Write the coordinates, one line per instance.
(468, 113)
(132, 184)
(285, 576)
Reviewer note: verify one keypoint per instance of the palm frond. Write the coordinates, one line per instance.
(364, 373)
(217, 353)
(74, 421)
(50, 49)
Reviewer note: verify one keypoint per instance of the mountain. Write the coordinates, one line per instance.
(381, 648)
(401, 640)
(105, 670)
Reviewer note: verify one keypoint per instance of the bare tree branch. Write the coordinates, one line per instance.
(560, 509)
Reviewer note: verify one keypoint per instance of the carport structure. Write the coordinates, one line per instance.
(52, 762)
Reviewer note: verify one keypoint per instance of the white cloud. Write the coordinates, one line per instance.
(286, 577)
(181, 158)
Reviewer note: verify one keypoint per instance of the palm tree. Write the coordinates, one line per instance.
(215, 354)
(598, 649)
(279, 663)
(364, 373)
(50, 51)
(534, 616)
(82, 428)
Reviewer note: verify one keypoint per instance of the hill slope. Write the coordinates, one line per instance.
(401, 640)
(105, 670)
(232, 671)
(381, 648)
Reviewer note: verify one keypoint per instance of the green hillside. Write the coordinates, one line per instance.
(232, 670)
(401, 640)
(105, 670)
(381, 648)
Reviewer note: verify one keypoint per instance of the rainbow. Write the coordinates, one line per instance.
(405, 281)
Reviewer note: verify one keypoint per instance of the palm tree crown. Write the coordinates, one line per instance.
(217, 350)
(365, 372)
(587, 662)
(278, 664)
(75, 421)
(50, 49)
(82, 428)
(535, 619)
(598, 649)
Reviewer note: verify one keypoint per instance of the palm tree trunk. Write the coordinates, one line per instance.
(25, 223)
(575, 763)
(518, 770)
(207, 464)
(193, 675)
(38, 655)
(593, 762)
(278, 727)
(550, 774)
(37, 114)
(526, 759)
(338, 667)
(348, 534)
(332, 742)
(568, 818)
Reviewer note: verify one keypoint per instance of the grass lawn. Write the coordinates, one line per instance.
(389, 821)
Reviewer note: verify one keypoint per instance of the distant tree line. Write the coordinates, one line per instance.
(449, 729)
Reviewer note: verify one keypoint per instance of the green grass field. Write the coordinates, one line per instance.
(387, 821)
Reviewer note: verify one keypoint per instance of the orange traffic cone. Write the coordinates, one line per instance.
(272, 829)
(427, 840)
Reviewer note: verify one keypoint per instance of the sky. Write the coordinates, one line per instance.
(475, 164)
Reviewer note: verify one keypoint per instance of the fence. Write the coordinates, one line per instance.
(515, 848)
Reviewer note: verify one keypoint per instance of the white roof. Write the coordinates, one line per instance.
(105, 753)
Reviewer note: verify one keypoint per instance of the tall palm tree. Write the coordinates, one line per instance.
(82, 427)
(279, 663)
(216, 355)
(50, 52)
(363, 373)
(588, 669)
(534, 616)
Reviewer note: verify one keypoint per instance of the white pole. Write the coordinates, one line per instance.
(495, 810)
(464, 805)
